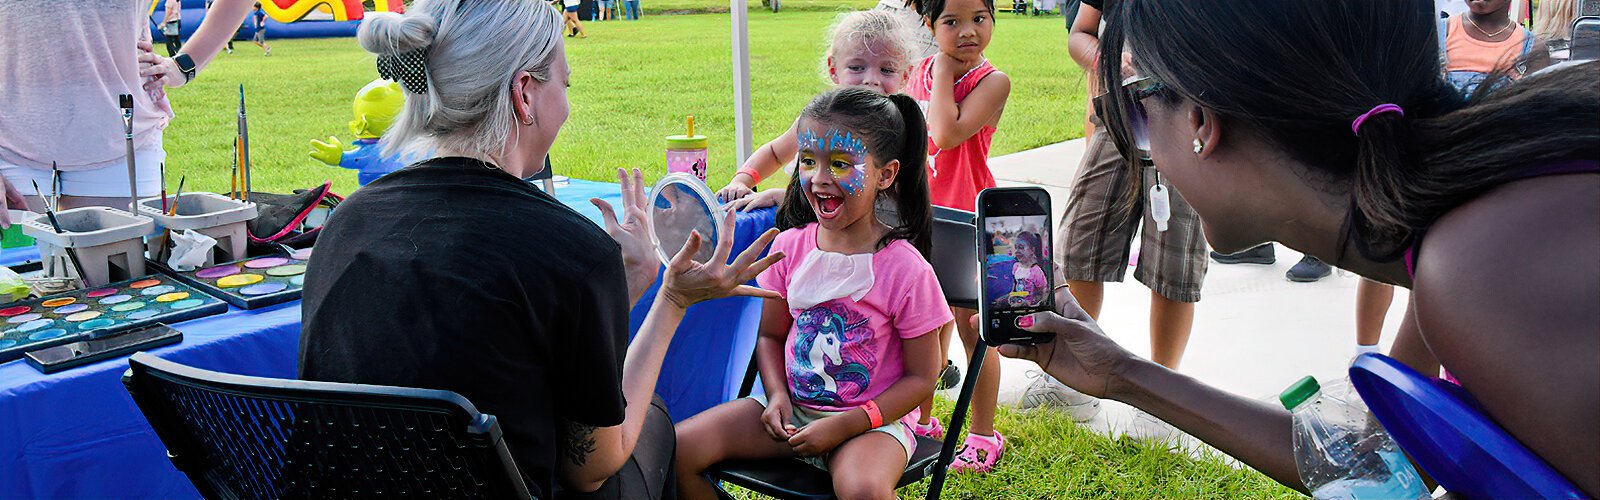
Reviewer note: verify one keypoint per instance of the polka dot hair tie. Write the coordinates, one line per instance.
(408, 68)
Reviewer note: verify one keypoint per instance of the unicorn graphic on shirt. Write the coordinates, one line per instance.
(828, 355)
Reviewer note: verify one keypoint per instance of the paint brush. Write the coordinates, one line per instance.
(163, 186)
(72, 254)
(166, 239)
(126, 100)
(244, 146)
(55, 186)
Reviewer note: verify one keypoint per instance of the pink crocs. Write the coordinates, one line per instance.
(931, 431)
(979, 453)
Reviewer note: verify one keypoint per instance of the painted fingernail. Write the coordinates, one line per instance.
(1025, 321)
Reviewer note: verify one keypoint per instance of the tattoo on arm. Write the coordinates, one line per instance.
(579, 443)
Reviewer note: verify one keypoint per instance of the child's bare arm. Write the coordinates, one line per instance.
(766, 160)
(951, 124)
(774, 331)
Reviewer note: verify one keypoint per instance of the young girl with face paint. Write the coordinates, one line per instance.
(963, 96)
(1028, 276)
(851, 348)
(871, 48)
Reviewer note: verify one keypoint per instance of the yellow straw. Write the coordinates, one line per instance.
(691, 125)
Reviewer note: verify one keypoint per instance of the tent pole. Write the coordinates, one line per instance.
(741, 79)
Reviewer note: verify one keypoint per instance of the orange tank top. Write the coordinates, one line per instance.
(1470, 54)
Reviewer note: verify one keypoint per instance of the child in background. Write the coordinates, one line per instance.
(569, 13)
(870, 48)
(260, 38)
(850, 349)
(1481, 41)
(963, 96)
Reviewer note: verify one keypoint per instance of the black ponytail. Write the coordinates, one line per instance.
(1296, 73)
(892, 128)
(911, 196)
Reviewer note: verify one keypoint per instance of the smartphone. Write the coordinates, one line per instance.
(1014, 262)
(61, 357)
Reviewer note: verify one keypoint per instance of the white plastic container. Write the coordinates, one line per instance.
(109, 243)
(223, 219)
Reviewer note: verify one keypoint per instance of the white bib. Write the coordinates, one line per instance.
(825, 276)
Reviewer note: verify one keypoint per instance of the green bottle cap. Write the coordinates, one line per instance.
(1299, 392)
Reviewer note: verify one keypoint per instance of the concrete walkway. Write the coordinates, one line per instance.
(1254, 333)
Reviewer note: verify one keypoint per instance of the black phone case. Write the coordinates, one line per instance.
(995, 329)
(86, 358)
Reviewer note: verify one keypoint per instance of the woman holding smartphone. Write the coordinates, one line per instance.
(1326, 126)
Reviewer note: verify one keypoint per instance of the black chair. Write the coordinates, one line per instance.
(955, 261)
(251, 437)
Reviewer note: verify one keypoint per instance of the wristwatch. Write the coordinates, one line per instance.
(186, 65)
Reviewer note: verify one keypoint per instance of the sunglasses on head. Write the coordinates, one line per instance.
(1129, 128)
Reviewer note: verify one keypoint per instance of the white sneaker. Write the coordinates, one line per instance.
(1047, 392)
(1149, 428)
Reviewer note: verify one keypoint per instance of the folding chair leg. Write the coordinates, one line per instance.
(749, 384)
(957, 419)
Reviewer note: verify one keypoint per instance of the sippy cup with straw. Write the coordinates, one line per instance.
(687, 153)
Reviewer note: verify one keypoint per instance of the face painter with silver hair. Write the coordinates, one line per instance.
(456, 274)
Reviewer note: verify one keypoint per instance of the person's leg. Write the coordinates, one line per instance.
(987, 393)
(1170, 323)
(1090, 294)
(1372, 305)
(1173, 264)
(1094, 236)
(867, 466)
(925, 417)
(727, 431)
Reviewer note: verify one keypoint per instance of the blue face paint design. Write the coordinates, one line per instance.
(845, 155)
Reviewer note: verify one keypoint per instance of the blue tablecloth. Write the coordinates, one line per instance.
(77, 433)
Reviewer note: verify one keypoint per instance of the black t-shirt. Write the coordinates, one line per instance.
(1097, 4)
(452, 274)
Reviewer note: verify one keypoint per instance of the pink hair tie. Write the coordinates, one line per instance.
(1355, 126)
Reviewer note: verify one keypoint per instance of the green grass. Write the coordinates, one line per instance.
(1050, 457)
(633, 83)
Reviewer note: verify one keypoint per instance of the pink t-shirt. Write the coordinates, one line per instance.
(1029, 280)
(840, 354)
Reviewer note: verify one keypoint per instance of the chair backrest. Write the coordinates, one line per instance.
(955, 256)
(251, 437)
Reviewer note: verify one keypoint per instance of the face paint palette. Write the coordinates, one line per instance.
(250, 283)
(66, 317)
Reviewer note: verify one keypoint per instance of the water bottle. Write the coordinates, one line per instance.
(1341, 451)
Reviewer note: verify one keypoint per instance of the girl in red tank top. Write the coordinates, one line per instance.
(963, 96)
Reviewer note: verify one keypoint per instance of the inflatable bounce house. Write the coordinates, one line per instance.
(286, 18)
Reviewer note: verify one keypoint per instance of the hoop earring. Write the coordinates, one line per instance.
(1198, 146)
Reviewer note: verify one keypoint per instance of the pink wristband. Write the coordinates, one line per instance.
(755, 177)
(873, 415)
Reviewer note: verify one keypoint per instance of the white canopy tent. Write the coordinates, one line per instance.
(741, 79)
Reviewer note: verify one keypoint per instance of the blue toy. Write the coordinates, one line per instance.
(375, 108)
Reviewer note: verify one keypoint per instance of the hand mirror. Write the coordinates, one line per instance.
(679, 205)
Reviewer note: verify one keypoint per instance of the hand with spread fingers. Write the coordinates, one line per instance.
(1081, 355)
(632, 232)
(687, 282)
